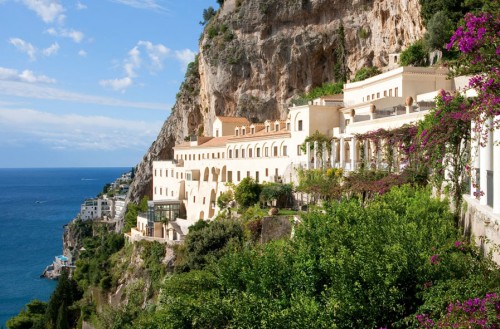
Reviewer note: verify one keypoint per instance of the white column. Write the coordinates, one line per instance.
(342, 160)
(308, 155)
(485, 159)
(334, 153)
(353, 153)
(324, 157)
(496, 171)
(474, 159)
(367, 156)
(315, 155)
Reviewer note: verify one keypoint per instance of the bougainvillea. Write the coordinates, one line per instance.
(478, 41)
(477, 312)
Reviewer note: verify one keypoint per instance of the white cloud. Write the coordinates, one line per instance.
(8, 74)
(156, 53)
(141, 4)
(26, 90)
(117, 84)
(76, 36)
(82, 53)
(24, 47)
(74, 131)
(52, 50)
(80, 6)
(32, 51)
(185, 56)
(48, 10)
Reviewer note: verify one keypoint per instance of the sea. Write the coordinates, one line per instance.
(34, 206)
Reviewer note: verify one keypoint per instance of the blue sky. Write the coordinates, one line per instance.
(90, 82)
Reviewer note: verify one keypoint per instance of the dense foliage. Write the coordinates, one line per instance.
(247, 192)
(365, 73)
(348, 266)
(132, 211)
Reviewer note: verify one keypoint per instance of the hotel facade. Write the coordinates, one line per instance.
(271, 151)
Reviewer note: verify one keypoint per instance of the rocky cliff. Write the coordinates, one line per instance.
(257, 55)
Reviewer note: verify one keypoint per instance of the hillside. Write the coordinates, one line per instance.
(256, 56)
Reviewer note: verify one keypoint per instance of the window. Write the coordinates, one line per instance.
(216, 132)
(177, 175)
(243, 153)
(299, 150)
(396, 92)
(267, 172)
(378, 95)
(347, 121)
(188, 176)
(182, 175)
(155, 172)
(238, 176)
(236, 153)
(258, 152)
(390, 92)
(299, 128)
(230, 176)
(172, 173)
(166, 172)
(385, 93)
(223, 155)
(237, 132)
(204, 200)
(161, 190)
(367, 98)
(252, 130)
(230, 154)
(250, 153)
(284, 150)
(373, 96)
(248, 174)
(257, 176)
(160, 172)
(266, 151)
(155, 190)
(276, 172)
(243, 132)
(267, 129)
(275, 151)
(288, 126)
(277, 127)
(218, 155)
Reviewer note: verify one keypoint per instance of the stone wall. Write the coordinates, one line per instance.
(483, 226)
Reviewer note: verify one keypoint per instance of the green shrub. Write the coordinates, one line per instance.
(414, 55)
(247, 192)
(365, 73)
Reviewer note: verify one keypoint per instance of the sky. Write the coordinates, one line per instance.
(89, 83)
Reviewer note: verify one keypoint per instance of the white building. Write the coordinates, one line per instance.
(271, 152)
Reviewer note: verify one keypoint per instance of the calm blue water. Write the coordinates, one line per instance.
(31, 231)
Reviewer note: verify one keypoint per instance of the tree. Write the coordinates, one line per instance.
(414, 55)
(247, 192)
(208, 13)
(281, 194)
(439, 30)
(365, 73)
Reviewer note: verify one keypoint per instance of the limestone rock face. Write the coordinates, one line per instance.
(257, 55)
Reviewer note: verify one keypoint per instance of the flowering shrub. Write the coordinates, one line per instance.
(472, 313)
